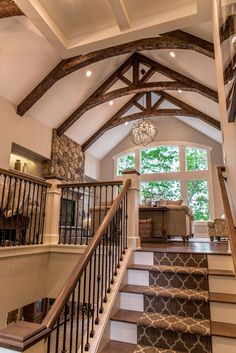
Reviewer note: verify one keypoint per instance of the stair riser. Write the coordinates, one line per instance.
(180, 259)
(131, 301)
(222, 284)
(124, 332)
(138, 277)
(143, 258)
(220, 262)
(178, 280)
(221, 345)
(178, 341)
(223, 312)
(180, 307)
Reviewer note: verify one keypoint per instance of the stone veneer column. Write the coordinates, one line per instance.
(133, 208)
(52, 213)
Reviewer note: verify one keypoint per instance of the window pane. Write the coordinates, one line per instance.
(163, 159)
(156, 190)
(198, 199)
(125, 162)
(196, 159)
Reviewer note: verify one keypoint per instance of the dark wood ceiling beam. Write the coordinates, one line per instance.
(158, 103)
(67, 66)
(9, 9)
(230, 70)
(139, 106)
(99, 97)
(197, 44)
(195, 112)
(151, 113)
(90, 102)
(140, 88)
(108, 123)
(228, 28)
(119, 118)
(174, 75)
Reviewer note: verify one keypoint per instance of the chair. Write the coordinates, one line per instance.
(217, 229)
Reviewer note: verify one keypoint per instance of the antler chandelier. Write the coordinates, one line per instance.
(143, 132)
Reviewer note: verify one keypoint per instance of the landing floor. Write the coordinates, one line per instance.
(202, 247)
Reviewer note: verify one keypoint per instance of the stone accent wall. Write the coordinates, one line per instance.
(67, 159)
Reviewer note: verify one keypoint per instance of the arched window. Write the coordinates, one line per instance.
(172, 172)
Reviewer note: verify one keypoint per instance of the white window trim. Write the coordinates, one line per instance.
(183, 175)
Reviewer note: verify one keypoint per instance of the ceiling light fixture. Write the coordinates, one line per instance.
(88, 73)
(180, 91)
(143, 132)
(111, 103)
(172, 54)
(126, 123)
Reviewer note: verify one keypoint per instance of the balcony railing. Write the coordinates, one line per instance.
(22, 209)
(83, 207)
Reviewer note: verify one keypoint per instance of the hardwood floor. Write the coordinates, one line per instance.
(219, 248)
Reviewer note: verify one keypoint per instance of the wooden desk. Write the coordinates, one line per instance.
(147, 212)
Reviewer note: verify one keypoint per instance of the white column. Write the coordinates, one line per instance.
(133, 208)
(52, 214)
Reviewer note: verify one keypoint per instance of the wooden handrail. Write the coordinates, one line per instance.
(66, 291)
(26, 177)
(99, 183)
(228, 213)
(22, 334)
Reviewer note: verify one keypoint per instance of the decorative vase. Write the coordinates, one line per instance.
(25, 168)
(17, 165)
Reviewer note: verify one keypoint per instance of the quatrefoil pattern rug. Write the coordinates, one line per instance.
(176, 316)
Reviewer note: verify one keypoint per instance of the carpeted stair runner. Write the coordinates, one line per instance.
(176, 316)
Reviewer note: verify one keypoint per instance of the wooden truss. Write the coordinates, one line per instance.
(136, 85)
(172, 40)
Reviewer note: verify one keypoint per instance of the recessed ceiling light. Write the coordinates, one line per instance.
(126, 123)
(172, 54)
(180, 91)
(111, 103)
(88, 73)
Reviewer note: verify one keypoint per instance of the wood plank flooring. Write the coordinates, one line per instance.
(218, 248)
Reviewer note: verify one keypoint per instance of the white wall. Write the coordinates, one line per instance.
(24, 131)
(172, 129)
(26, 277)
(92, 166)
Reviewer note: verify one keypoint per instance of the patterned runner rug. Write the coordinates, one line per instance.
(176, 316)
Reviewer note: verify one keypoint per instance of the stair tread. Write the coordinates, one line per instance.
(133, 288)
(223, 329)
(171, 292)
(175, 323)
(213, 297)
(118, 346)
(179, 269)
(221, 272)
(150, 349)
(212, 272)
(139, 267)
(222, 298)
(128, 316)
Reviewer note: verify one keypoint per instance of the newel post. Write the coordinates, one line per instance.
(52, 213)
(133, 208)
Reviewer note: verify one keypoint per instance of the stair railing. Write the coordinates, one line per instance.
(228, 213)
(22, 208)
(71, 321)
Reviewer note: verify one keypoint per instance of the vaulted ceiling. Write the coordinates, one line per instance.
(126, 46)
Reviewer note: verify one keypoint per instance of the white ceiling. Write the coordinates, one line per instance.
(79, 26)
(28, 54)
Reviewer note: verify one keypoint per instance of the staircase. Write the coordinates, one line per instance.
(175, 303)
